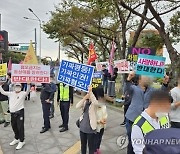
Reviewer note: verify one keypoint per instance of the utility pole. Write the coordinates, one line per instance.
(35, 39)
(0, 21)
(59, 51)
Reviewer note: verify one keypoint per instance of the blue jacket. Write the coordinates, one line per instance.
(140, 100)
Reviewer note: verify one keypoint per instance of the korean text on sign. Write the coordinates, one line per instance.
(123, 66)
(75, 74)
(3, 72)
(28, 72)
(97, 80)
(151, 65)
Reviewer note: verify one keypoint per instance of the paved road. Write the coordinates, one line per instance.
(54, 142)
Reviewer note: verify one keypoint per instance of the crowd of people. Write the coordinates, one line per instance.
(145, 109)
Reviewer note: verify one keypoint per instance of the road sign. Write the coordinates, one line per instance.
(24, 48)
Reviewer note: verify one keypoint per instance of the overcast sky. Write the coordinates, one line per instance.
(22, 30)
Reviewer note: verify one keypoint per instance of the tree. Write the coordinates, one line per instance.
(15, 57)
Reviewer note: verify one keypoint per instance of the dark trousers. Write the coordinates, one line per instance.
(129, 129)
(64, 108)
(46, 112)
(17, 123)
(126, 106)
(52, 109)
(98, 138)
(90, 138)
(175, 124)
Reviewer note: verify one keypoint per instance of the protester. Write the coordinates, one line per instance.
(111, 83)
(33, 94)
(4, 105)
(101, 115)
(16, 108)
(154, 117)
(140, 101)
(53, 87)
(88, 122)
(105, 78)
(162, 141)
(175, 106)
(46, 98)
(65, 98)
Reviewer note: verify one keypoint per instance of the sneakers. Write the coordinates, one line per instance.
(123, 124)
(20, 145)
(14, 142)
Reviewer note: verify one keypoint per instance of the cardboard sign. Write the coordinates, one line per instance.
(23, 73)
(75, 74)
(151, 65)
(97, 80)
(3, 72)
(123, 66)
(100, 64)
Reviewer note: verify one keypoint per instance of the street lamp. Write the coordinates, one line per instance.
(38, 19)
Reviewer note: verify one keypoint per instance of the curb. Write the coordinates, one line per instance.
(111, 107)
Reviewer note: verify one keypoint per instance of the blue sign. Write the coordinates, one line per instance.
(97, 79)
(75, 74)
(151, 65)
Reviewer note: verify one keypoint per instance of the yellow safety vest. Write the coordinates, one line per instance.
(146, 127)
(64, 92)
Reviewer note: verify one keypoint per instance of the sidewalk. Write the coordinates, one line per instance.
(54, 142)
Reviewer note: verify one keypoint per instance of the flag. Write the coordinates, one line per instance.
(92, 54)
(30, 57)
(111, 58)
(10, 65)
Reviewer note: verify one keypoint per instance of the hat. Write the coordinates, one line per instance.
(17, 84)
(165, 141)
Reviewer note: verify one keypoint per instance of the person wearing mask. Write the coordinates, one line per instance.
(105, 78)
(53, 87)
(4, 105)
(111, 83)
(46, 99)
(153, 117)
(101, 115)
(88, 122)
(64, 99)
(16, 108)
(141, 94)
(175, 106)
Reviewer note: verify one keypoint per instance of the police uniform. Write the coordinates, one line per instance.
(65, 97)
(143, 125)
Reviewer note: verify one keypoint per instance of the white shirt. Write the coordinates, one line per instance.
(137, 137)
(16, 100)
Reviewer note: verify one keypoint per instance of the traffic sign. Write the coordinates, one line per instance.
(23, 48)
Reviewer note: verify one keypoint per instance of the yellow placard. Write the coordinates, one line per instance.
(3, 69)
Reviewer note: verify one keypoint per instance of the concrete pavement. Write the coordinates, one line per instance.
(54, 142)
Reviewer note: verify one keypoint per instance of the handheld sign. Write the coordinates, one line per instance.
(123, 66)
(23, 73)
(97, 80)
(151, 65)
(76, 75)
(3, 72)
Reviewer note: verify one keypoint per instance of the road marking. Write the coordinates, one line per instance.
(75, 149)
(122, 141)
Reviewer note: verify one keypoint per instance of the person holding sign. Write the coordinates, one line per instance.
(64, 98)
(16, 108)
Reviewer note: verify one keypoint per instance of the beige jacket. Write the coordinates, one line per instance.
(92, 110)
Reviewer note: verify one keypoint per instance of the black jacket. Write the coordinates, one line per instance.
(46, 93)
(5, 87)
(71, 91)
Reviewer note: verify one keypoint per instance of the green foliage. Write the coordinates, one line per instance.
(15, 57)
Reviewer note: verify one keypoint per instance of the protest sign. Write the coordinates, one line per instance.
(100, 64)
(150, 65)
(133, 53)
(123, 66)
(3, 72)
(23, 73)
(97, 80)
(75, 74)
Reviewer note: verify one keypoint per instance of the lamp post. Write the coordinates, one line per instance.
(38, 19)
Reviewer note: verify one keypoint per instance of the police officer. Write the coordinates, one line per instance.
(46, 99)
(154, 117)
(65, 98)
